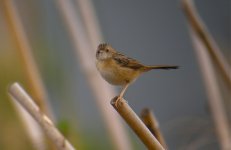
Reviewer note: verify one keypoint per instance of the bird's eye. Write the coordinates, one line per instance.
(107, 50)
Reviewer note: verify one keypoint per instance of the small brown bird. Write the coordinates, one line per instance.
(118, 69)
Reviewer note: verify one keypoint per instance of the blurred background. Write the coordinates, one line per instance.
(154, 32)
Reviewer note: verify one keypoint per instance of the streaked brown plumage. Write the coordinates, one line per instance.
(118, 69)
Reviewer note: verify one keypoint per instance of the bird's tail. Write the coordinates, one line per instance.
(166, 67)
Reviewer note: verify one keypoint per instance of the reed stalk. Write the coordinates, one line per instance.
(85, 53)
(152, 124)
(136, 124)
(19, 94)
(208, 53)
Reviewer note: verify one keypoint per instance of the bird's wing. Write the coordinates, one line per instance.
(127, 62)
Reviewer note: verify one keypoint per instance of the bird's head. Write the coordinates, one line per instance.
(104, 51)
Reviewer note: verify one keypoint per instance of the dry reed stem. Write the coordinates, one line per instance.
(31, 126)
(126, 112)
(214, 95)
(90, 21)
(152, 124)
(203, 51)
(18, 94)
(92, 27)
(86, 59)
(34, 80)
(200, 30)
(21, 40)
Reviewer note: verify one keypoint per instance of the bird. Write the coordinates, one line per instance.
(119, 69)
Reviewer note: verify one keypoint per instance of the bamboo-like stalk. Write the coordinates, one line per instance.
(214, 95)
(152, 124)
(18, 94)
(34, 81)
(213, 50)
(126, 112)
(101, 90)
(21, 40)
(31, 126)
(90, 21)
(203, 52)
(93, 30)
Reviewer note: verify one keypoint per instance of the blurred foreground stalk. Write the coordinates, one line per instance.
(32, 74)
(18, 94)
(23, 46)
(85, 53)
(208, 54)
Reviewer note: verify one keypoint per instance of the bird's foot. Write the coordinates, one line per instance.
(119, 98)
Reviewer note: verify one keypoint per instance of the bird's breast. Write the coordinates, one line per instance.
(115, 74)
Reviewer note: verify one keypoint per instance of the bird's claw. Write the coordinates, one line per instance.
(117, 100)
